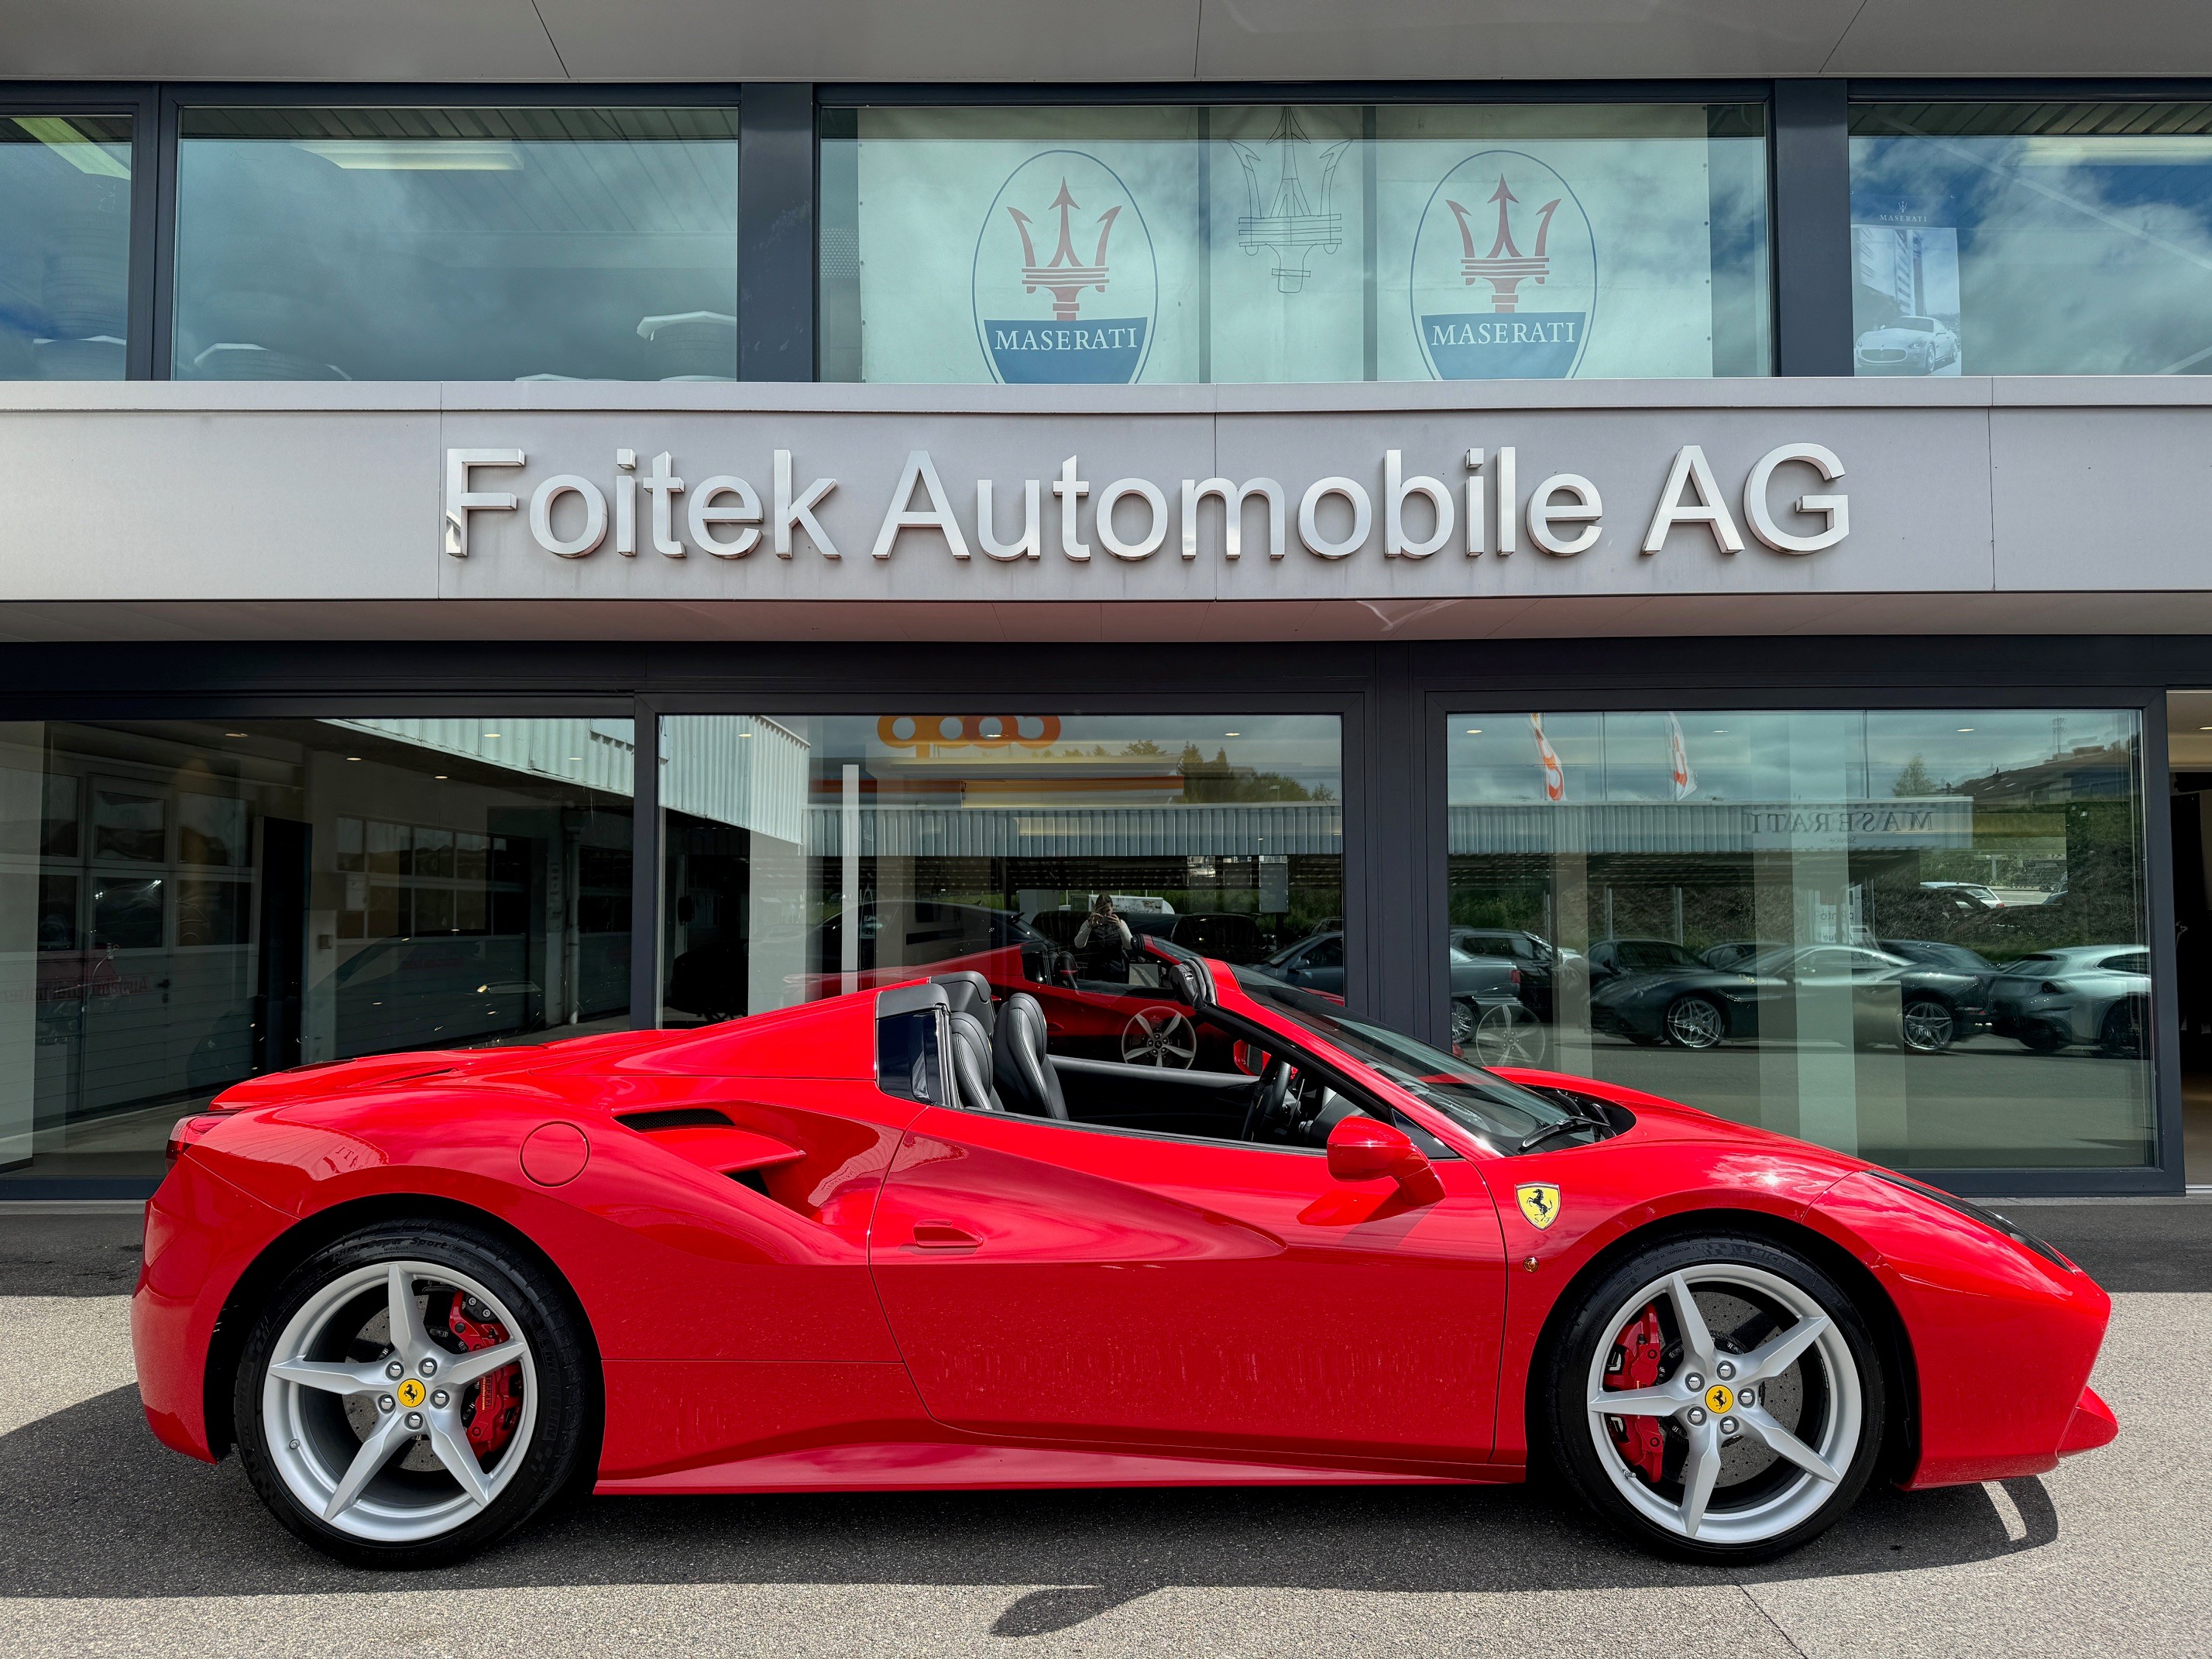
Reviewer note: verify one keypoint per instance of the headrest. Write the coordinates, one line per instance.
(969, 993)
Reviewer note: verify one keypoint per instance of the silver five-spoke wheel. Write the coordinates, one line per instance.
(1720, 1397)
(1750, 1411)
(1160, 1037)
(400, 1399)
(411, 1391)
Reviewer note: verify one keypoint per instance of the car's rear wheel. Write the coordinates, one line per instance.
(1693, 1023)
(1716, 1398)
(412, 1392)
(1929, 1025)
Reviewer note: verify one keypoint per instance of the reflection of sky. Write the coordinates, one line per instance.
(545, 266)
(49, 206)
(1737, 755)
(1305, 748)
(2076, 256)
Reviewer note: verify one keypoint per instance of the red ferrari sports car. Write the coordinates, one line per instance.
(891, 1240)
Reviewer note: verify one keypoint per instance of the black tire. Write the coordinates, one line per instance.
(1560, 1421)
(2042, 1040)
(1694, 1022)
(2122, 1034)
(562, 1452)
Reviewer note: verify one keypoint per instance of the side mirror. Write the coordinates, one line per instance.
(1367, 1149)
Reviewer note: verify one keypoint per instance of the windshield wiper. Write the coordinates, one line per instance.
(1564, 1126)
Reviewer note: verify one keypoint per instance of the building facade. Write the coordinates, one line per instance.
(1672, 550)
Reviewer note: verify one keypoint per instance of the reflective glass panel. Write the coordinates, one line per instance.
(2032, 238)
(1302, 242)
(456, 244)
(225, 916)
(809, 855)
(64, 245)
(1914, 935)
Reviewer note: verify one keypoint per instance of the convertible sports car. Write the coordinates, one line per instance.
(890, 1240)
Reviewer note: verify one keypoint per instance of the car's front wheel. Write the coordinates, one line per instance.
(1717, 1398)
(1929, 1025)
(412, 1392)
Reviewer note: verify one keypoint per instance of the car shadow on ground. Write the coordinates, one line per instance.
(118, 1516)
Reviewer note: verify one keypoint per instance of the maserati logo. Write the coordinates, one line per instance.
(1505, 232)
(1063, 230)
(1285, 220)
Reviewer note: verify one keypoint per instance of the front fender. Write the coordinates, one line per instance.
(2003, 1340)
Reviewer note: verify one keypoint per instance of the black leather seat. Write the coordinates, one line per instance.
(1019, 1065)
(972, 1064)
(969, 993)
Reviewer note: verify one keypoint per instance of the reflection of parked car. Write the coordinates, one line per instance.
(1735, 952)
(1487, 1018)
(1544, 968)
(1692, 1005)
(437, 989)
(1907, 345)
(2097, 994)
(1611, 958)
(1966, 894)
(1939, 953)
(1232, 938)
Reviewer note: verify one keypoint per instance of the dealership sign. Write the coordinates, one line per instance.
(638, 507)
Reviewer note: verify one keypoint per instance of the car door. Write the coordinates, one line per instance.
(1054, 1281)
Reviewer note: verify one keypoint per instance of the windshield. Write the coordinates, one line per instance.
(1502, 1114)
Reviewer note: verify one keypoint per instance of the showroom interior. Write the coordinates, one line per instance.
(1912, 892)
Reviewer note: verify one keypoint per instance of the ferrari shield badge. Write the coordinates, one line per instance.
(1540, 1202)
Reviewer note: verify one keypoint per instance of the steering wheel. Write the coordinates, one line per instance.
(1268, 1097)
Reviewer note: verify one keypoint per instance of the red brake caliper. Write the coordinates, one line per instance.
(1634, 1364)
(499, 1398)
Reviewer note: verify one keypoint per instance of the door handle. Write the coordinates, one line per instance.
(942, 1236)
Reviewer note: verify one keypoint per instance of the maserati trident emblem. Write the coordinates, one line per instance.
(1289, 222)
(1066, 276)
(1507, 290)
(1540, 1202)
(1505, 267)
(1035, 283)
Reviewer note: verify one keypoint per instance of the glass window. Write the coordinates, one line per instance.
(806, 855)
(2032, 238)
(1306, 243)
(64, 245)
(1916, 935)
(264, 933)
(457, 244)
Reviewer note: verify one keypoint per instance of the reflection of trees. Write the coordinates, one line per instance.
(1217, 780)
(1915, 781)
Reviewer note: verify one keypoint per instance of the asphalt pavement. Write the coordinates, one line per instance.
(114, 1545)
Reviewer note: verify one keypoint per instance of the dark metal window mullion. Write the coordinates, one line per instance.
(2163, 1038)
(161, 285)
(776, 169)
(645, 884)
(1809, 158)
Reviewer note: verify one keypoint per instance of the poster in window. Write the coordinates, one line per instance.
(1905, 300)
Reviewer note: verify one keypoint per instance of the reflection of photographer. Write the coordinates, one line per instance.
(1103, 947)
